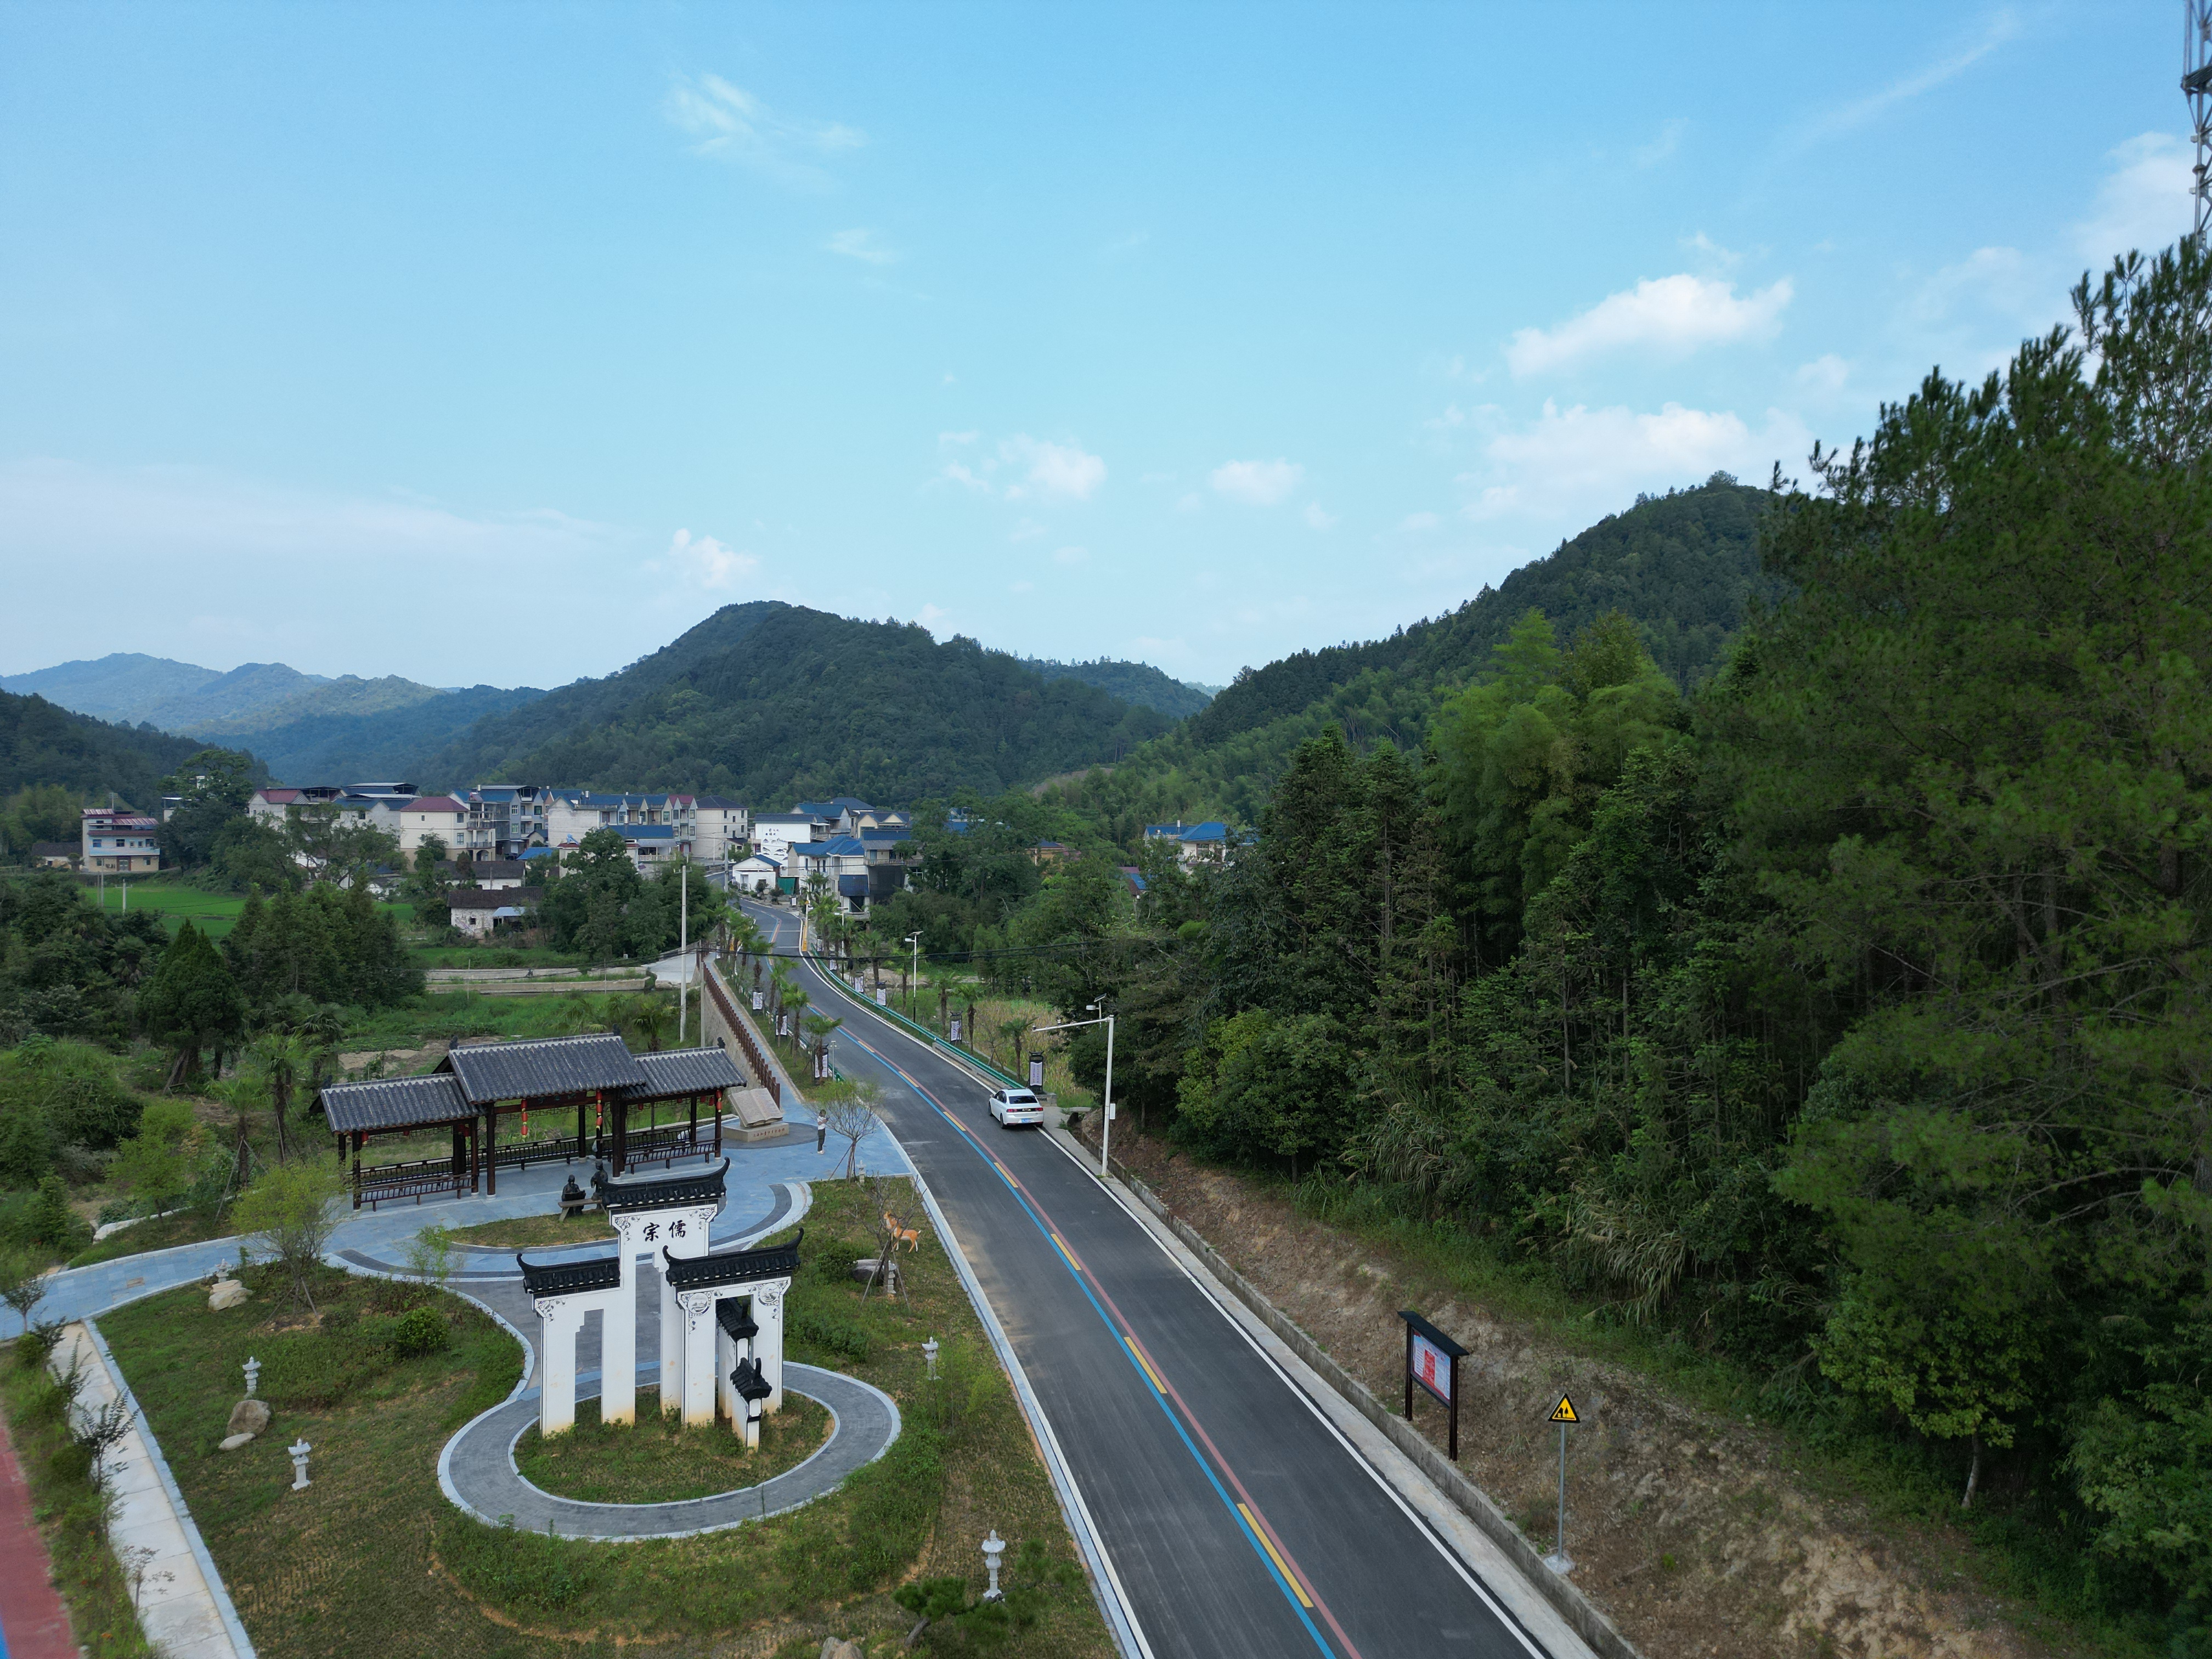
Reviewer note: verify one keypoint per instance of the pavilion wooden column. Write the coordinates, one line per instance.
(491, 1150)
(691, 1133)
(358, 1136)
(580, 1103)
(462, 1156)
(621, 1135)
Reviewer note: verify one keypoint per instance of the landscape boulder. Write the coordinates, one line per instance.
(227, 1293)
(836, 1648)
(248, 1417)
(232, 1442)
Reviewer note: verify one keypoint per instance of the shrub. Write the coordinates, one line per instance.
(159, 1163)
(47, 1223)
(294, 1209)
(317, 1370)
(836, 1335)
(420, 1331)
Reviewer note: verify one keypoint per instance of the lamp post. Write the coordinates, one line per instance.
(298, 1451)
(914, 976)
(929, 1355)
(252, 1370)
(993, 1547)
(1105, 1123)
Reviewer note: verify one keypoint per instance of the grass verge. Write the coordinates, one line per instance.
(68, 1510)
(371, 1559)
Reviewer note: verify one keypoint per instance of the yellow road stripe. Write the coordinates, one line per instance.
(1064, 1250)
(1137, 1354)
(1274, 1555)
(1004, 1171)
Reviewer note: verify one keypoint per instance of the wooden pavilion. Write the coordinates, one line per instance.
(618, 1098)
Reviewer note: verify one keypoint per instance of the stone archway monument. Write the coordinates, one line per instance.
(732, 1319)
(667, 1216)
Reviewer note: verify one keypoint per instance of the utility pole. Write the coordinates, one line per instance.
(1105, 1123)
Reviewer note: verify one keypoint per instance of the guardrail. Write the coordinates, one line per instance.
(910, 1027)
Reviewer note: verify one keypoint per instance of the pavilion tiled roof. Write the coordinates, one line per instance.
(672, 1073)
(544, 1067)
(394, 1103)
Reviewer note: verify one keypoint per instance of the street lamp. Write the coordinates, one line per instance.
(1106, 1124)
(914, 975)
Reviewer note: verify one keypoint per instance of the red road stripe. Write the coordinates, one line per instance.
(33, 1624)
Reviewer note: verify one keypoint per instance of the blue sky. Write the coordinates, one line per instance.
(502, 343)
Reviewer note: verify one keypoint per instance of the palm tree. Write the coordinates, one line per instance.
(646, 1015)
(281, 1056)
(818, 1028)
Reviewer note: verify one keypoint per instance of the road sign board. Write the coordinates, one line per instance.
(1564, 1412)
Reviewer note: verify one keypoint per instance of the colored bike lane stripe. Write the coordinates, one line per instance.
(33, 1623)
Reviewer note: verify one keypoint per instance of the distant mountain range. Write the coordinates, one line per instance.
(304, 727)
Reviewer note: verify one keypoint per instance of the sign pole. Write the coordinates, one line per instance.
(1559, 1560)
(1451, 1448)
(1409, 1373)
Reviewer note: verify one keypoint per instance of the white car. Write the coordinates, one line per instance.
(1015, 1106)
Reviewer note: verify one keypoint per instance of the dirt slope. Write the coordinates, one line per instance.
(1693, 1532)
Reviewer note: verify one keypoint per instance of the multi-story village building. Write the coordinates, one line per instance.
(775, 834)
(724, 829)
(658, 829)
(425, 816)
(119, 841)
(380, 804)
(505, 821)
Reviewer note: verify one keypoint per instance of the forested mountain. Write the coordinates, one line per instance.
(338, 746)
(1841, 1014)
(772, 702)
(123, 685)
(1683, 567)
(40, 744)
(1139, 683)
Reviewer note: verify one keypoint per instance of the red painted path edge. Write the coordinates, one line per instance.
(33, 1624)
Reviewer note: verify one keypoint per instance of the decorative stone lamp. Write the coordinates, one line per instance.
(299, 1448)
(253, 1369)
(929, 1354)
(993, 1547)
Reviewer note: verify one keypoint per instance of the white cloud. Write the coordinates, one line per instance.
(1412, 523)
(1669, 140)
(930, 615)
(1071, 555)
(862, 245)
(1825, 375)
(730, 124)
(1054, 469)
(1320, 517)
(706, 562)
(1726, 258)
(1581, 462)
(2001, 26)
(1990, 279)
(1257, 483)
(1026, 529)
(962, 474)
(951, 438)
(1671, 314)
(2143, 203)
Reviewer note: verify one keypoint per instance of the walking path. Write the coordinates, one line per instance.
(478, 1473)
(757, 1169)
(33, 1624)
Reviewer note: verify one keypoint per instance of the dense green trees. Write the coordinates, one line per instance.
(598, 904)
(67, 968)
(1846, 1014)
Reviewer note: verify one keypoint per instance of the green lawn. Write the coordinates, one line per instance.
(373, 1560)
(214, 913)
(659, 1460)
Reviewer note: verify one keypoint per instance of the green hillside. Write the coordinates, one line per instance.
(1137, 682)
(123, 685)
(774, 702)
(329, 745)
(1684, 566)
(40, 744)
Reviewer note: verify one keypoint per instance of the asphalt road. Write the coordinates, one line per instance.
(1237, 1520)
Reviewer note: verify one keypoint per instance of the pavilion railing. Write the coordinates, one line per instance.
(521, 1154)
(417, 1178)
(664, 1145)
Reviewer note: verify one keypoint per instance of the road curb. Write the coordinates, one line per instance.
(1581, 1614)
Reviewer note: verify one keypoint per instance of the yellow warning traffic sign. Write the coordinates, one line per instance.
(1564, 1412)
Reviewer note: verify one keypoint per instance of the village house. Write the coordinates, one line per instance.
(425, 816)
(506, 820)
(54, 854)
(775, 834)
(485, 873)
(118, 842)
(722, 830)
(758, 874)
(479, 912)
